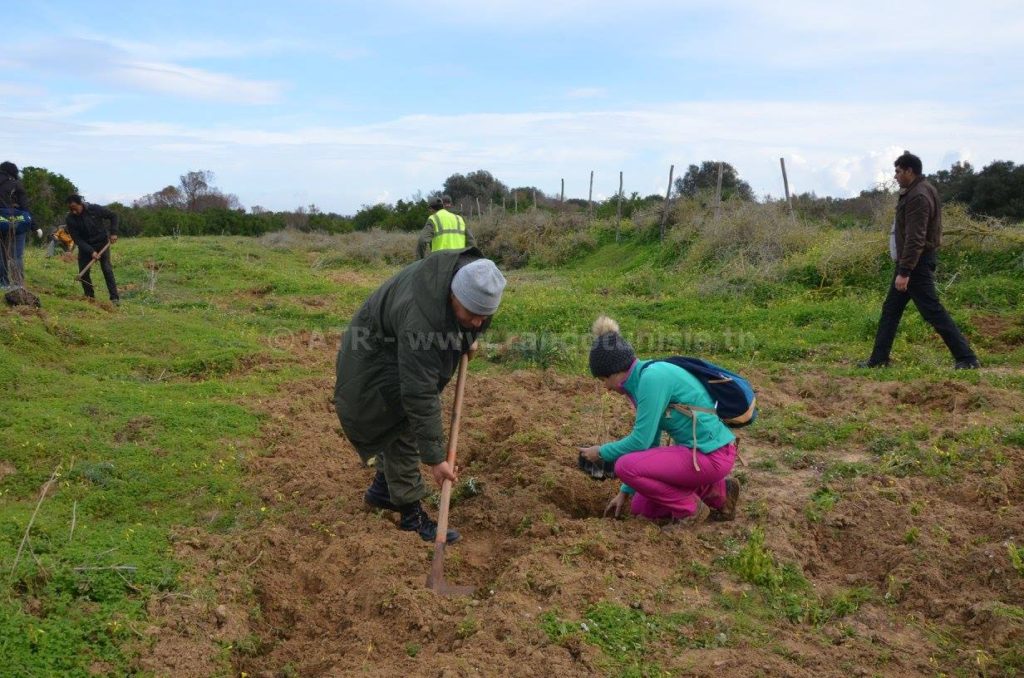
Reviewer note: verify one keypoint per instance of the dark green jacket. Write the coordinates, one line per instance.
(398, 353)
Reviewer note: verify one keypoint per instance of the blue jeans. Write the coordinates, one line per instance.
(12, 259)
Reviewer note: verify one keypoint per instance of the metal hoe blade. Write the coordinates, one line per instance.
(435, 580)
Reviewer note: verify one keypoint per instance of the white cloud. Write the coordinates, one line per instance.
(105, 62)
(193, 83)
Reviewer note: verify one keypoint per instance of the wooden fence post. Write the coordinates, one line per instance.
(590, 194)
(618, 209)
(668, 194)
(785, 185)
(718, 193)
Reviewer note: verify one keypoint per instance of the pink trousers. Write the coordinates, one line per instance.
(668, 486)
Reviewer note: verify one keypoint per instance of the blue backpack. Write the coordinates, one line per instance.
(735, 399)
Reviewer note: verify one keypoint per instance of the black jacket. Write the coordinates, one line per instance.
(88, 230)
(12, 192)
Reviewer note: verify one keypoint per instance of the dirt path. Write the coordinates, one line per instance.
(341, 592)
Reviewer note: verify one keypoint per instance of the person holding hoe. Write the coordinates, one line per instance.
(84, 223)
(672, 483)
(398, 353)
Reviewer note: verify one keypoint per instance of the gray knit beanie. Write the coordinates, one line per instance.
(609, 353)
(478, 286)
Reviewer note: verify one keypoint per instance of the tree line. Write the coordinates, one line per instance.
(196, 206)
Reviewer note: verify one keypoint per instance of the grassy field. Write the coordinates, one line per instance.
(122, 428)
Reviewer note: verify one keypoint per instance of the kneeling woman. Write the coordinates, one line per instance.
(666, 483)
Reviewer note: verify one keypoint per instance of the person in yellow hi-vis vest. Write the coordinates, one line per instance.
(444, 230)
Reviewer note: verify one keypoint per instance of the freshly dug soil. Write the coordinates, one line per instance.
(340, 591)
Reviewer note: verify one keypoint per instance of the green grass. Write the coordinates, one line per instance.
(626, 637)
(145, 418)
(822, 501)
(785, 591)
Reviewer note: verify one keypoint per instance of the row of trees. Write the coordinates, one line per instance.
(196, 206)
(996, 191)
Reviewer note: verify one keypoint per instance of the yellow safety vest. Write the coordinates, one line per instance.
(449, 231)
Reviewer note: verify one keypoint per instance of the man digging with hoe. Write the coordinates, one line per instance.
(400, 350)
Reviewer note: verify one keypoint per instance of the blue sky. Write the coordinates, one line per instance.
(341, 104)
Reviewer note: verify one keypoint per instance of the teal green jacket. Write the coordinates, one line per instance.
(659, 386)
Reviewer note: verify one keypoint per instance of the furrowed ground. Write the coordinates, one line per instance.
(201, 513)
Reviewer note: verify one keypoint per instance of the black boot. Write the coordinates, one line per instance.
(415, 519)
(378, 496)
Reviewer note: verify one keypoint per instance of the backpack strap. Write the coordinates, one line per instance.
(690, 411)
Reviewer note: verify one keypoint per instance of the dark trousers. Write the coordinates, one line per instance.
(921, 290)
(108, 273)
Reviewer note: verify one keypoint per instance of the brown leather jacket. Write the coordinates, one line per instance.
(918, 224)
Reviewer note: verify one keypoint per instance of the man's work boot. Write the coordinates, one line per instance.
(415, 519)
(732, 497)
(378, 496)
(967, 364)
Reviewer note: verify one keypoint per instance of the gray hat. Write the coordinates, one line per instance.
(609, 354)
(478, 286)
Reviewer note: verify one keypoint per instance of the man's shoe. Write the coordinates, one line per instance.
(378, 496)
(416, 520)
(732, 497)
(870, 364)
(966, 364)
(373, 501)
(115, 302)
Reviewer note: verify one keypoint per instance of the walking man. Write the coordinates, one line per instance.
(444, 230)
(84, 223)
(917, 237)
(398, 353)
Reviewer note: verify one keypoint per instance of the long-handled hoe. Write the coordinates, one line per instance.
(435, 580)
(89, 265)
